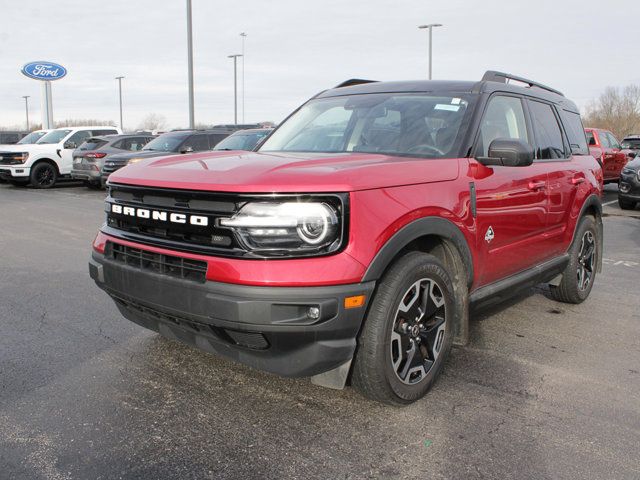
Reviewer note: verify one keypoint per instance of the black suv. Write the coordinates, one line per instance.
(170, 143)
(629, 186)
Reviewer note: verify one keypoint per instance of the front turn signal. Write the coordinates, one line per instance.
(355, 301)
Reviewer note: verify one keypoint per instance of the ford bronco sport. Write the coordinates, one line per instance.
(350, 245)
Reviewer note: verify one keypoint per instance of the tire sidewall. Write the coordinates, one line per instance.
(36, 169)
(414, 269)
(587, 223)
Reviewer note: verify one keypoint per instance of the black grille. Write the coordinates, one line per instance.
(178, 267)
(11, 158)
(159, 230)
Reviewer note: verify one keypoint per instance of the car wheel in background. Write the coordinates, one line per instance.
(43, 175)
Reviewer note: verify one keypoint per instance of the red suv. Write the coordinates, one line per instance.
(350, 245)
(604, 146)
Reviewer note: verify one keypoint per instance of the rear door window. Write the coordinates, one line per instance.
(604, 140)
(549, 141)
(216, 138)
(198, 143)
(613, 141)
(575, 131)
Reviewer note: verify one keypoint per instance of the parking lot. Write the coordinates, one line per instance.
(544, 390)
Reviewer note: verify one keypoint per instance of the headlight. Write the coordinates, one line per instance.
(287, 228)
(17, 159)
(134, 160)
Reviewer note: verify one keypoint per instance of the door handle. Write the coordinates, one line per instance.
(536, 185)
(577, 180)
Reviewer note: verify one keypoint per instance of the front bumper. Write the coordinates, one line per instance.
(267, 328)
(19, 172)
(629, 187)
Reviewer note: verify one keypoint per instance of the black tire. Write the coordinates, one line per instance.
(583, 261)
(92, 185)
(379, 364)
(626, 204)
(43, 175)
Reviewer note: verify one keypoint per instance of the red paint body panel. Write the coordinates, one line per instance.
(532, 210)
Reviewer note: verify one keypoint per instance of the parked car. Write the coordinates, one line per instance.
(629, 186)
(89, 158)
(11, 137)
(352, 241)
(50, 158)
(607, 150)
(171, 143)
(244, 139)
(632, 143)
(28, 139)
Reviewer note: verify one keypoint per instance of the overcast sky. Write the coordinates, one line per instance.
(296, 48)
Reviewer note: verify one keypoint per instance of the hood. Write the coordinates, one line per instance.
(285, 172)
(14, 148)
(140, 154)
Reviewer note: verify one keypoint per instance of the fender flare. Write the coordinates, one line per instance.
(419, 228)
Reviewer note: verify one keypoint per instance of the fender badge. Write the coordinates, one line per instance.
(489, 235)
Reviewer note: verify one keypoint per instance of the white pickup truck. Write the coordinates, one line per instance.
(43, 163)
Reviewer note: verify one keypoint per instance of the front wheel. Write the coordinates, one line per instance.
(408, 331)
(580, 273)
(43, 175)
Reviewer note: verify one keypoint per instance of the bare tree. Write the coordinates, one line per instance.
(153, 121)
(617, 110)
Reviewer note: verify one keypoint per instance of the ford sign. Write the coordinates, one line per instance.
(44, 70)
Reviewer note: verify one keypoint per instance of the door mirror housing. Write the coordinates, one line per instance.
(70, 145)
(508, 152)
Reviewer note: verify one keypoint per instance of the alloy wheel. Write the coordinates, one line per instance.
(586, 260)
(417, 336)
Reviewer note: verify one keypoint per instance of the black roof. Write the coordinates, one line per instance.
(118, 136)
(491, 82)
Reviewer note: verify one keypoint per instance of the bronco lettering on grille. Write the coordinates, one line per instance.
(198, 220)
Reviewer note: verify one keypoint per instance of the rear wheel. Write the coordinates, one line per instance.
(92, 184)
(408, 331)
(626, 204)
(580, 273)
(43, 175)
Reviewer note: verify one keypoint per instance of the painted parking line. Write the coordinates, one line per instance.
(609, 203)
(624, 263)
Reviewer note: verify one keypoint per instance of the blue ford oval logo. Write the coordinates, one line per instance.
(44, 70)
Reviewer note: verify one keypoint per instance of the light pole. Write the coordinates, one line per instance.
(430, 27)
(190, 65)
(235, 86)
(26, 108)
(120, 95)
(244, 37)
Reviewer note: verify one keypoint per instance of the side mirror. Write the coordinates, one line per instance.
(508, 153)
(187, 150)
(70, 145)
(631, 154)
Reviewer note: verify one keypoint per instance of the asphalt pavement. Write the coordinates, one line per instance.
(543, 391)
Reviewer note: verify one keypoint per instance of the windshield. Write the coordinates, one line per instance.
(420, 125)
(54, 136)
(633, 143)
(241, 141)
(165, 143)
(33, 137)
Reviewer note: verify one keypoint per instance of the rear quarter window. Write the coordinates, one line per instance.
(575, 132)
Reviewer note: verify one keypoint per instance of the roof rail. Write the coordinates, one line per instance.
(501, 77)
(354, 81)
